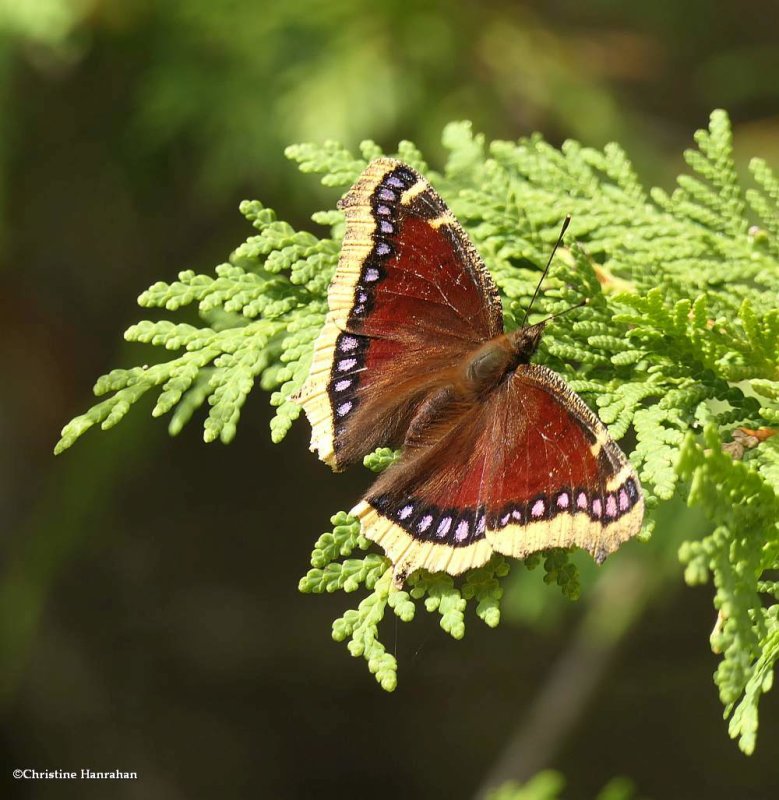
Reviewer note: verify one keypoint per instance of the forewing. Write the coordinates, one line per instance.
(409, 298)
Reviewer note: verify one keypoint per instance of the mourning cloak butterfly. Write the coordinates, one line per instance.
(499, 455)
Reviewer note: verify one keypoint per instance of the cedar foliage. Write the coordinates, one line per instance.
(678, 345)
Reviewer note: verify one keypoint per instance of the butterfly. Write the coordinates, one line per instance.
(499, 455)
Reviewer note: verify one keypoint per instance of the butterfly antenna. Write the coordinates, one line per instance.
(566, 223)
(564, 311)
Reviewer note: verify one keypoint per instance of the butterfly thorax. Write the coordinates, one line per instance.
(498, 358)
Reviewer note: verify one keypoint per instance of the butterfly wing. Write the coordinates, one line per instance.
(561, 479)
(410, 295)
(528, 469)
(427, 510)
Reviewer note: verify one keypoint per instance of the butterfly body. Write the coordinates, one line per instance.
(498, 358)
(498, 454)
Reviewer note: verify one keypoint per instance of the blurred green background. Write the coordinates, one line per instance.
(149, 617)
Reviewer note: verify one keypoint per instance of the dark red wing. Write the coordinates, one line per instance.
(528, 469)
(561, 480)
(428, 510)
(409, 298)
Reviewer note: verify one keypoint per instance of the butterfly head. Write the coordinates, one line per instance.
(524, 342)
(525, 339)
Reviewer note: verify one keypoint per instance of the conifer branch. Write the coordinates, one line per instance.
(678, 345)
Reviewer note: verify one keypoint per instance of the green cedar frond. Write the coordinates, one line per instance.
(737, 555)
(681, 333)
